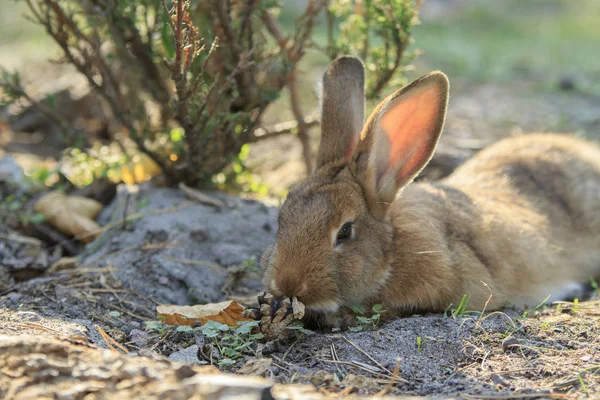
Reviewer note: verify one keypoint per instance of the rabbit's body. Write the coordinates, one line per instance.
(519, 221)
(523, 216)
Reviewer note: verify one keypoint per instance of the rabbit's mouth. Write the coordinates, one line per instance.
(326, 306)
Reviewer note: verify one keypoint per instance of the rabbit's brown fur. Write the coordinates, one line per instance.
(520, 220)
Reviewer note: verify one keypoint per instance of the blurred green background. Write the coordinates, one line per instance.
(472, 39)
(514, 66)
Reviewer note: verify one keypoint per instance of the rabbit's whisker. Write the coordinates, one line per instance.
(429, 252)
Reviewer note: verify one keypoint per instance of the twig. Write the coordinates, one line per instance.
(335, 357)
(200, 197)
(38, 326)
(294, 53)
(125, 209)
(121, 309)
(299, 115)
(108, 340)
(331, 51)
(352, 364)
(288, 350)
(508, 371)
(282, 128)
(367, 355)
(518, 396)
(393, 379)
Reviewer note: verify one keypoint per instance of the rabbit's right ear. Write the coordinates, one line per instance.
(343, 110)
(400, 138)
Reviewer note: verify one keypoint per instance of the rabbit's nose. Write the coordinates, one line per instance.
(290, 286)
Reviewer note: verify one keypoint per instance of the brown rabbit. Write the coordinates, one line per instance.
(522, 216)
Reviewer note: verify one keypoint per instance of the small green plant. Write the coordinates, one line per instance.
(365, 323)
(380, 33)
(161, 328)
(157, 326)
(517, 326)
(238, 176)
(232, 342)
(298, 327)
(419, 341)
(594, 369)
(250, 264)
(575, 305)
(526, 313)
(143, 202)
(559, 308)
(582, 383)
(594, 286)
(32, 218)
(460, 310)
(13, 206)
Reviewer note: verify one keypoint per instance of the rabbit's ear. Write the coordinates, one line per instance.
(400, 138)
(343, 109)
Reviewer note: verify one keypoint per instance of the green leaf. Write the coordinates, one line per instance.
(216, 325)
(37, 218)
(210, 333)
(154, 325)
(229, 352)
(377, 308)
(51, 100)
(358, 309)
(176, 135)
(243, 346)
(226, 361)
(185, 329)
(355, 328)
(245, 327)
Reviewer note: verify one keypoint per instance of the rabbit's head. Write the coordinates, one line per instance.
(333, 241)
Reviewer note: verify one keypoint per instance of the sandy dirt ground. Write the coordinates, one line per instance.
(54, 327)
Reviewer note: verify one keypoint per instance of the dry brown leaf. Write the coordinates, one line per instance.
(83, 206)
(228, 312)
(71, 215)
(63, 264)
(50, 203)
(256, 367)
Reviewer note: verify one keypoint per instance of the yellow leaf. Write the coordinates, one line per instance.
(150, 166)
(126, 175)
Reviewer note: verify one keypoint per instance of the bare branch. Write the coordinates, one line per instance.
(302, 128)
(283, 128)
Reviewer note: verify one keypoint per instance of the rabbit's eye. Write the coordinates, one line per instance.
(345, 233)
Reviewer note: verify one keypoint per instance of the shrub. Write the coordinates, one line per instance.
(189, 80)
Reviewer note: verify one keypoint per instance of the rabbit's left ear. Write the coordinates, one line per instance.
(400, 138)
(343, 110)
